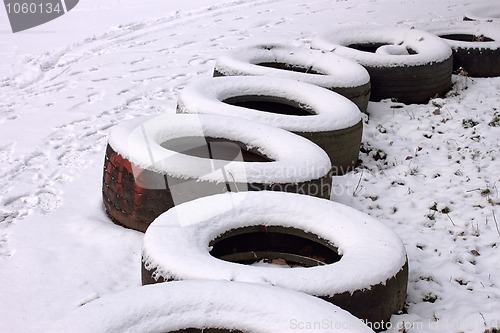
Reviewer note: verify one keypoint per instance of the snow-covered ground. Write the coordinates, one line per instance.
(429, 172)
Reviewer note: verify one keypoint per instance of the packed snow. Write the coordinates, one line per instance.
(429, 172)
(207, 96)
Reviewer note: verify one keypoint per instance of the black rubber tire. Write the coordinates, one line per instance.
(208, 307)
(475, 45)
(413, 78)
(340, 142)
(413, 84)
(477, 62)
(326, 70)
(134, 195)
(250, 230)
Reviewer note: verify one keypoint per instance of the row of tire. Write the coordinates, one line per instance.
(407, 65)
(218, 163)
(210, 187)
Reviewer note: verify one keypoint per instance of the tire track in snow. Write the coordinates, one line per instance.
(76, 79)
(42, 69)
(37, 69)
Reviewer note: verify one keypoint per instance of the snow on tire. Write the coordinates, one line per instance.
(322, 116)
(326, 70)
(344, 256)
(208, 306)
(153, 163)
(475, 45)
(483, 12)
(409, 65)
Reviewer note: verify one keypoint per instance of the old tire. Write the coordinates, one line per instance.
(326, 118)
(326, 70)
(475, 45)
(150, 167)
(408, 65)
(370, 279)
(207, 306)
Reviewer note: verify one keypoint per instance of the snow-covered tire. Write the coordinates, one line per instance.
(369, 280)
(207, 306)
(483, 12)
(475, 45)
(322, 116)
(326, 70)
(409, 65)
(145, 175)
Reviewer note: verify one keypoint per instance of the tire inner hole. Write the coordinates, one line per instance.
(274, 245)
(215, 148)
(271, 104)
(372, 47)
(467, 38)
(290, 67)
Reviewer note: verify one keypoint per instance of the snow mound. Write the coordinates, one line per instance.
(177, 242)
(484, 12)
(294, 159)
(322, 69)
(172, 306)
(480, 33)
(422, 47)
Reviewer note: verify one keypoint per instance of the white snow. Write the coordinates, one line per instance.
(167, 307)
(333, 71)
(66, 83)
(392, 50)
(178, 243)
(331, 111)
(484, 12)
(427, 47)
(460, 27)
(294, 159)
